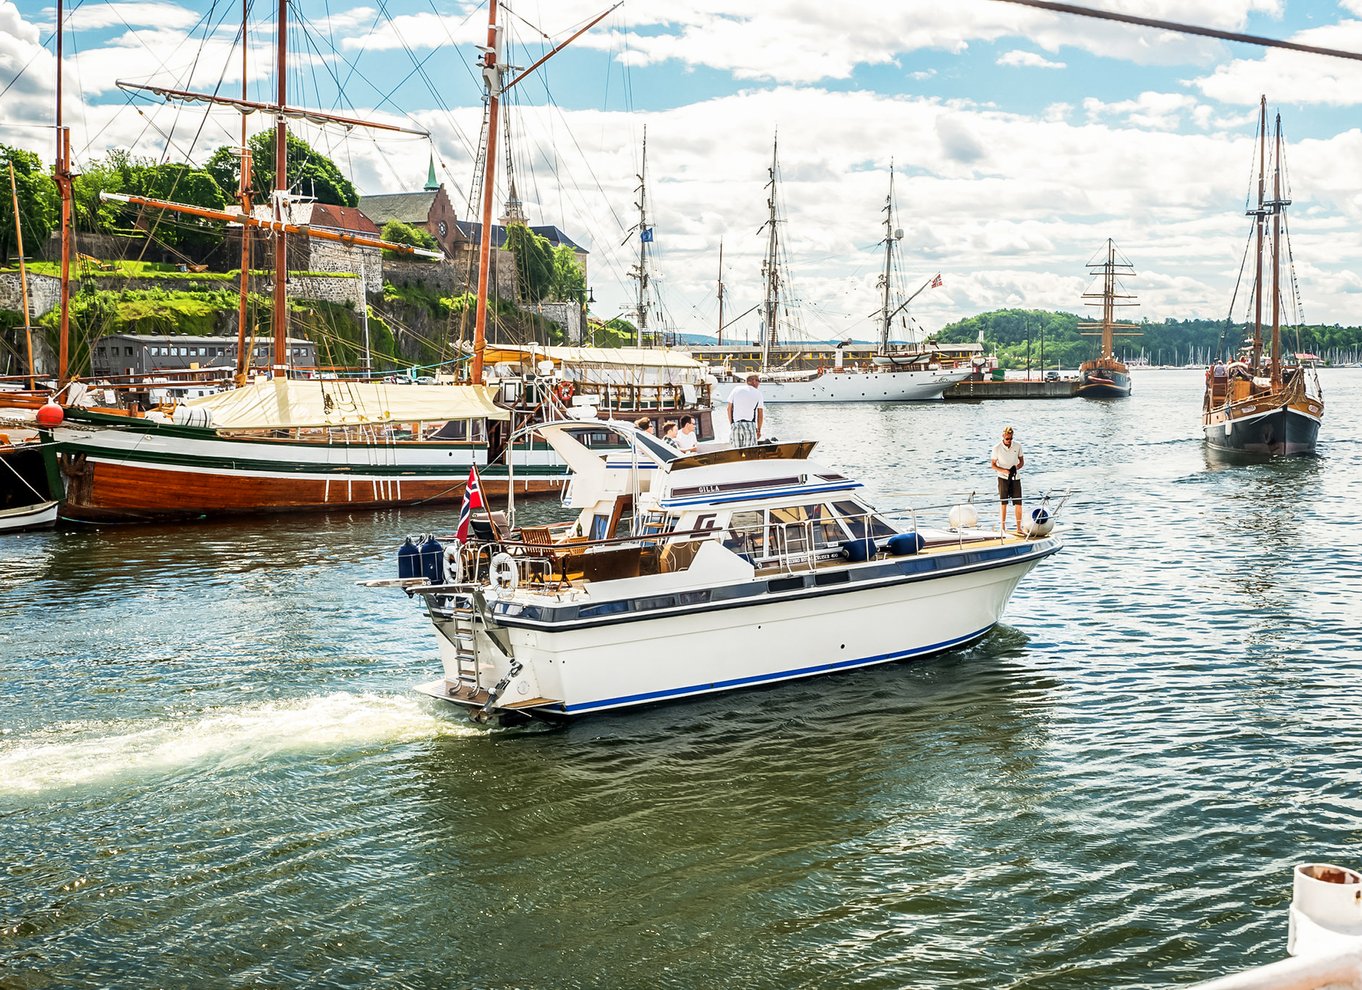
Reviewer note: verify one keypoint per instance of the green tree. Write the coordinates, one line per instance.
(400, 233)
(534, 261)
(569, 278)
(310, 172)
(38, 202)
(181, 184)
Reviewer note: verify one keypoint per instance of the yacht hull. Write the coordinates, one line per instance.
(806, 632)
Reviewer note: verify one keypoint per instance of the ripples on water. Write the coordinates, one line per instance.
(213, 773)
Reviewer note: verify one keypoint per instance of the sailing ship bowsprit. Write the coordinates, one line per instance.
(1106, 377)
(1257, 403)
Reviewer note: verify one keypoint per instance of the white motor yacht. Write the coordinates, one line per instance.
(696, 574)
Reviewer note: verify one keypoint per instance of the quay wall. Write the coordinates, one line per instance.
(1013, 390)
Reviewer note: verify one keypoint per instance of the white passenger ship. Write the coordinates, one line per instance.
(690, 575)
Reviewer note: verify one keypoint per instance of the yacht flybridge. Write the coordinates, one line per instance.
(694, 574)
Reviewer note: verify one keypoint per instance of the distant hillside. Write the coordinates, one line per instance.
(1014, 333)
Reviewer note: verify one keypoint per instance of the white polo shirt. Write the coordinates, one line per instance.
(686, 442)
(1007, 457)
(744, 403)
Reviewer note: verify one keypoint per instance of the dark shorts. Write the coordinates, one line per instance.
(1009, 489)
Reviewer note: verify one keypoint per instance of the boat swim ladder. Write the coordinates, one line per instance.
(463, 635)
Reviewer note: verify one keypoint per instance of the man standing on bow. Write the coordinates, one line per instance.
(747, 413)
(1007, 463)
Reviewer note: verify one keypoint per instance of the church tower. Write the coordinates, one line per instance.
(515, 209)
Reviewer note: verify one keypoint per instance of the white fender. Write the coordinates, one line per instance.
(503, 571)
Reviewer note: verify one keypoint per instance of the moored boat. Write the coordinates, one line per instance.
(29, 495)
(698, 574)
(288, 445)
(1106, 377)
(1259, 405)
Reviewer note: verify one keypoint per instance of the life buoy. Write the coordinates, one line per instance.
(503, 571)
(565, 391)
(453, 564)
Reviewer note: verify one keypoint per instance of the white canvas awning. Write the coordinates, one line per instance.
(606, 357)
(283, 403)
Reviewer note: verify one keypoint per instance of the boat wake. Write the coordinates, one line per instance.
(75, 755)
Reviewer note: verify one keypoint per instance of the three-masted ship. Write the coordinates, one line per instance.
(1106, 377)
(1256, 403)
(905, 374)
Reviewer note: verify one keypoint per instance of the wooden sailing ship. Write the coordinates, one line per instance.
(1106, 377)
(279, 443)
(1256, 403)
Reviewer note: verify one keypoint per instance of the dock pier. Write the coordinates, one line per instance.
(974, 389)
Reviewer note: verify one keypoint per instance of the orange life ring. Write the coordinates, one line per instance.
(565, 391)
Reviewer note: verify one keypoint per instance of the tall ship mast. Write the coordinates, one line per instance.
(1262, 404)
(1106, 377)
(770, 266)
(641, 272)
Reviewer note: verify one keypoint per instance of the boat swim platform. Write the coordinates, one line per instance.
(464, 693)
(1065, 388)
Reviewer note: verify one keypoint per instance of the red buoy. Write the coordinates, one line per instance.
(50, 415)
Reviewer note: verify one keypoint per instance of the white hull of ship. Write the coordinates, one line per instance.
(926, 385)
(601, 667)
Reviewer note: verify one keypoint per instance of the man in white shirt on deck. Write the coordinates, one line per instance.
(686, 441)
(746, 413)
(1007, 463)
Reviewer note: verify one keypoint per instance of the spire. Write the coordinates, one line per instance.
(515, 209)
(431, 183)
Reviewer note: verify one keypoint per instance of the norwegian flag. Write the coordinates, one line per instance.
(936, 282)
(472, 499)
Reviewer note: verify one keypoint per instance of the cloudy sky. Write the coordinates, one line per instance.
(1021, 139)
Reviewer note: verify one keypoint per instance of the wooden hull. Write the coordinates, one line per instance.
(109, 491)
(1262, 423)
(147, 471)
(1282, 432)
(1103, 380)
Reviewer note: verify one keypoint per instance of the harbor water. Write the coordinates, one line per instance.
(213, 772)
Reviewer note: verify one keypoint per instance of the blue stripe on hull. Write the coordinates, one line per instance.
(783, 675)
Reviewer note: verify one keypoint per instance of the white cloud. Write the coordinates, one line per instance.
(1293, 77)
(1007, 206)
(1028, 60)
(91, 17)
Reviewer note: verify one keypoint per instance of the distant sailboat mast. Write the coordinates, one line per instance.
(771, 266)
(1278, 204)
(644, 237)
(892, 236)
(721, 291)
(1259, 221)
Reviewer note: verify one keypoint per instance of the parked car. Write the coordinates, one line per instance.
(1052, 376)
